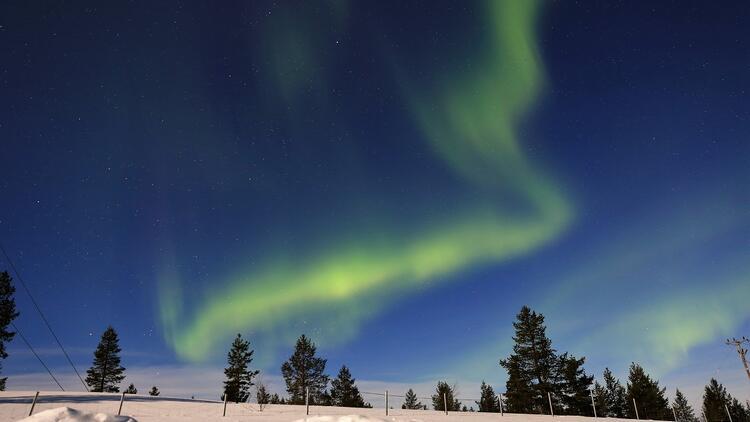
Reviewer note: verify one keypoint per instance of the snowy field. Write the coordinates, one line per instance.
(15, 405)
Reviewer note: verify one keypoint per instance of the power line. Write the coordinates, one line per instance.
(37, 356)
(41, 314)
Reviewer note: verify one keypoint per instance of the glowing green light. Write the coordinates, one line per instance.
(472, 126)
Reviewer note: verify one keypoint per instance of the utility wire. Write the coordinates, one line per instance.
(41, 314)
(37, 356)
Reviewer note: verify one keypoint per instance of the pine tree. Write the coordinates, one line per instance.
(106, 373)
(7, 315)
(682, 409)
(574, 386)
(488, 401)
(411, 401)
(239, 377)
(532, 365)
(305, 370)
(651, 400)
(344, 391)
(444, 394)
(131, 389)
(615, 396)
(600, 400)
(154, 391)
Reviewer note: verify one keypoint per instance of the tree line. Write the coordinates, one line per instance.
(540, 379)
(304, 375)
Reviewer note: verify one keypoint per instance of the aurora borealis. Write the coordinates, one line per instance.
(394, 180)
(473, 130)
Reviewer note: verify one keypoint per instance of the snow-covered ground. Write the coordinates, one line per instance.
(15, 405)
(66, 414)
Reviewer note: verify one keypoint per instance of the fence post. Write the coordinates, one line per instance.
(307, 401)
(674, 413)
(225, 406)
(33, 403)
(500, 400)
(445, 404)
(386, 402)
(728, 414)
(635, 406)
(549, 397)
(593, 404)
(122, 399)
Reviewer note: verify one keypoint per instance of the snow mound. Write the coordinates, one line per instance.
(346, 418)
(66, 414)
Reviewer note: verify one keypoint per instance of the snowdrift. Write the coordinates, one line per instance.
(345, 418)
(66, 414)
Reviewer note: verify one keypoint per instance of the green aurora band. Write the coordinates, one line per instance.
(471, 124)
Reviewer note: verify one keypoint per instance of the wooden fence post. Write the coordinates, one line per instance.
(122, 399)
(728, 414)
(33, 403)
(635, 406)
(223, 415)
(549, 397)
(307, 400)
(386, 402)
(593, 404)
(500, 400)
(445, 404)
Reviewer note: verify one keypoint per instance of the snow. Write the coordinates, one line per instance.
(346, 418)
(15, 405)
(66, 414)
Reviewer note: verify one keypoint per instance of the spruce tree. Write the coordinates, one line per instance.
(739, 412)
(574, 386)
(131, 389)
(324, 399)
(305, 370)
(600, 400)
(651, 400)
(519, 394)
(411, 401)
(615, 397)
(7, 315)
(682, 409)
(106, 373)
(154, 391)
(488, 401)
(444, 394)
(532, 365)
(261, 394)
(239, 378)
(344, 391)
(715, 397)
(275, 399)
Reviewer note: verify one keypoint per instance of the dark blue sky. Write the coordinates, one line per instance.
(395, 180)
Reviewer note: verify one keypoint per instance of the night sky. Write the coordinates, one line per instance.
(394, 179)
